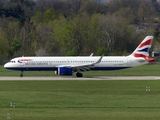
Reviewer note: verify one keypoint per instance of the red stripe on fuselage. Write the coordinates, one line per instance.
(25, 60)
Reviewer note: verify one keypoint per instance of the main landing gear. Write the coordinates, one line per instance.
(21, 75)
(79, 74)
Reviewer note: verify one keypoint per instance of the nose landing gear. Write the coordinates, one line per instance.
(21, 75)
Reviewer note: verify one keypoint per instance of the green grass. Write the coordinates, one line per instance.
(79, 100)
(145, 70)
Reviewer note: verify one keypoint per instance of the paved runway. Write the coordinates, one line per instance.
(83, 78)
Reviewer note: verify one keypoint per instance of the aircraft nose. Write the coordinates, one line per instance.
(6, 65)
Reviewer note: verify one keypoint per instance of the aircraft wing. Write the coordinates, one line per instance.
(83, 67)
(87, 66)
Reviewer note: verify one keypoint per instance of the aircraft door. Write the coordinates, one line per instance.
(22, 64)
(68, 61)
(129, 61)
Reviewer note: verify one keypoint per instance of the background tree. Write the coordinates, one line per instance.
(65, 27)
(15, 46)
(91, 7)
(116, 34)
(145, 12)
(71, 53)
(63, 34)
(13, 31)
(50, 15)
(4, 47)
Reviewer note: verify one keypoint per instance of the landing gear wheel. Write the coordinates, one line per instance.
(21, 75)
(79, 75)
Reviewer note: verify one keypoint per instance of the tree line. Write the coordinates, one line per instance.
(75, 27)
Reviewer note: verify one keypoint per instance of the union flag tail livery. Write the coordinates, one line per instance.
(142, 51)
(63, 65)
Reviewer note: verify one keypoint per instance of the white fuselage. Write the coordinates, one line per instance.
(52, 63)
(68, 65)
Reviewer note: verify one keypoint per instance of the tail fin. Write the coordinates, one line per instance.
(142, 51)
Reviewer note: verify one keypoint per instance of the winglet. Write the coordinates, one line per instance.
(88, 64)
(99, 60)
(91, 55)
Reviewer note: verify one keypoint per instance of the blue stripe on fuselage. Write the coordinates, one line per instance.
(109, 68)
(55, 68)
(33, 68)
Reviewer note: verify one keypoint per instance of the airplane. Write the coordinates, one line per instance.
(68, 65)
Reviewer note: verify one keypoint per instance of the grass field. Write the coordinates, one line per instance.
(80, 100)
(145, 70)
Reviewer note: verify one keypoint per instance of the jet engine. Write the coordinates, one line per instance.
(64, 71)
(155, 54)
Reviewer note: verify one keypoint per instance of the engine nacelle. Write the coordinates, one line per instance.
(155, 54)
(64, 71)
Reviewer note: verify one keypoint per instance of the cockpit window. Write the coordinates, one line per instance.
(12, 61)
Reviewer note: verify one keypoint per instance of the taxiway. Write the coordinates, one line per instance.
(83, 78)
